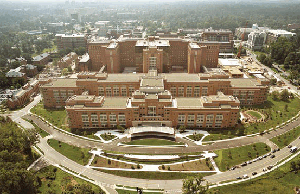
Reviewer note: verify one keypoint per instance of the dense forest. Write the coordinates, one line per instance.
(15, 157)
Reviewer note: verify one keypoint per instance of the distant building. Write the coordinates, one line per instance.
(68, 60)
(256, 40)
(41, 59)
(84, 63)
(73, 41)
(14, 73)
(273, 35)
(294, 26)
(165, 54)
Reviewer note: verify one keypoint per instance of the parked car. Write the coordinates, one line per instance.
(254, 173)
(249, 162)
(239, 177)
(244, 164)
(273, 151)
(273, 156)
(264, 169)
(289, 146)
(270, 167)
(260, 158)
(245, 176)
(264, 156)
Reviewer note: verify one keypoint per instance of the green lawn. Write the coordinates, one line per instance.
(54, 180)
(154, 175)
(275, 110)
(196, 137)
(280, 180)
(120, 191)
(56, 117)
(254, 114)
(234, 156)
(79, 155)
(220, 136)
(153, 142)
(285, 139)
(107, 136)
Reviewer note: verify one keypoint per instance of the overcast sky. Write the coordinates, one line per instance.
(62, 1)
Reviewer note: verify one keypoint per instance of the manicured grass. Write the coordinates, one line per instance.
(55, 180)
(154, 175)
(56, 117)
(79, 155)
(196, 137)
(120, 191)
(273, 110)
(199, 165)
(107, 136)
(103, 162)
(234, 156)
(254, 114)
(285, 139)
(153, 142)
(280, 180)
(214, 137)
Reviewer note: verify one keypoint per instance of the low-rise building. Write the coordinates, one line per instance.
(41, 59)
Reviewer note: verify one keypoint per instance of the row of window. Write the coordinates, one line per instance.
(190, 119)
(179, 91)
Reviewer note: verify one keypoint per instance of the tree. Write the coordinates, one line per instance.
(275, 95)
(284, 95)
(70, 69)
(193, 185)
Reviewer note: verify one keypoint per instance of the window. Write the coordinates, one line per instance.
(94, 117)
(103, 118)
(197, 91)
(108, 90)
(190, 120)
(85, 118)
(189, 91)
(173, 90)
(95, 124)
(200, 118)
(86, 124)
(101, 91)
(131, 90)
(181, 119)
(219, 118)
(116, 91)
(122, 120)
(113, 118)
(236, 93)
(151, 110)
(123, 91)
(209, 118)
(70, 93)
(152, 63)
(204, 90)
(181, 91)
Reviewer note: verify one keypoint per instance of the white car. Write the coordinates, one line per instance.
(245, 176)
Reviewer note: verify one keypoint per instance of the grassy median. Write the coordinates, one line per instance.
(234, 156)
(281, 180)
(286, 138)
(77, 154)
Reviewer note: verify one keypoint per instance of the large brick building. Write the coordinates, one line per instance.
(166, 55)
(101, 100)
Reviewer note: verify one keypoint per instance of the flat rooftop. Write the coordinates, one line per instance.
(123, 77)
(242, 82)
(115, 102)
(63, 82)
(189, 102)
(229, 62)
